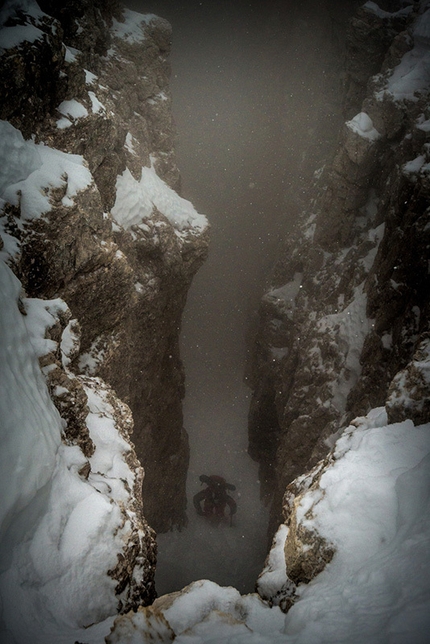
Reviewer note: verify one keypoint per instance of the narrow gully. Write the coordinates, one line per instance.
(252, 84)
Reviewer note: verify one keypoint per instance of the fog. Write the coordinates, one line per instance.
(255, 90)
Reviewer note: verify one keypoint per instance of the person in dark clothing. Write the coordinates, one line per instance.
(212, 501)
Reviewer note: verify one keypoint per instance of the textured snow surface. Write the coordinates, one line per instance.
(28, 32)
(30, 425)
(375, 510)
(362, 125)
(60, 532)
(135, 201)
(27, 170)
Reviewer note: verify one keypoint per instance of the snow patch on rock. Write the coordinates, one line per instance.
(135, 202)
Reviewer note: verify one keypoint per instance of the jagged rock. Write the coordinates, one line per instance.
(298, 553)
(29, 69)
(146, 620)
(306, 552)
(369, 37)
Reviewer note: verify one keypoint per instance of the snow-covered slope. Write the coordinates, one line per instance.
(69, 512)
(368, 505)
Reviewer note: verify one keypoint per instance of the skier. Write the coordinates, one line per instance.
(215, 498)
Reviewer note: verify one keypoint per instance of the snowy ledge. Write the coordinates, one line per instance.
(135, 202)
(362, 125)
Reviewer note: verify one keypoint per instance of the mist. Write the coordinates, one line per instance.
(256, 89)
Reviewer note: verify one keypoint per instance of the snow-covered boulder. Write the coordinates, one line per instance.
(201, 612)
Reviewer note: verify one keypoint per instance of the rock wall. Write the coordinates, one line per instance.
(91, 79)
(348, 304)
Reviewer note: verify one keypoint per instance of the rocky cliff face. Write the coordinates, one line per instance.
(104, 249)
(348, 306)
(90, 80)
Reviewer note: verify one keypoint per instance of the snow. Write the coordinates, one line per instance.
(29, 169)
(60, 533)
(27, 32)
(423, 123)
(71, 54)
(274, 576)
(349, 329)
(15, 36)
(41, 315)
(90, 78)
(30, 427)
(129, 143)
(374, 8)
(73, 109)
(285, 296)
(412, 75)
(362, 125)
(131, 30)
(422, 28)
(69, 343)
(417, 165)
(19, 158)
(373, 504)
(375, 236)
(96, 106)
(375, 509)
(135, 201)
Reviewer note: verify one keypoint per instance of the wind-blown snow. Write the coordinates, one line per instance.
(135, 201)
